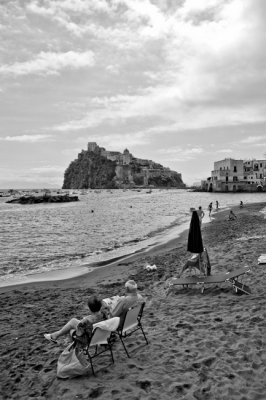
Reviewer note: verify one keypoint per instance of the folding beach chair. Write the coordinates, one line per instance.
(100, 342)
(235, 278)
(131, 324)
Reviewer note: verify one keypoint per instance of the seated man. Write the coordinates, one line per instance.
(118, 305)
(80, 326)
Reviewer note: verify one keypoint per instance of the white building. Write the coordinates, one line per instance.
(230, 175)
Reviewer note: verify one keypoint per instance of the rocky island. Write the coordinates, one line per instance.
(98, 168)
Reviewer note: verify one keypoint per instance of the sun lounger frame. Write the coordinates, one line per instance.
(230, 277)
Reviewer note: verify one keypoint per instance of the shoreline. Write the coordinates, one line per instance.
(69, 275)
(201, 346)
(166, 239)
(89, 272)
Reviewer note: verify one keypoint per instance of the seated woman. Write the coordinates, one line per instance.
(80, 326)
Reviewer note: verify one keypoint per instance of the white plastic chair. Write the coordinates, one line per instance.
(131, 324)
(100, 341)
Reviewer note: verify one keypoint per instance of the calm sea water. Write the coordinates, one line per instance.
(44, 237)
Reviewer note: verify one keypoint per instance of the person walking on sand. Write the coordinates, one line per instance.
(210, 209)
(200, 214)
(94, 305)
(217, 205)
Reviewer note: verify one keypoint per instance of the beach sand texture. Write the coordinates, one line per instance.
(208, 346)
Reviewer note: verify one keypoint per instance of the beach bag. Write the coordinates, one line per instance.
(72, 362)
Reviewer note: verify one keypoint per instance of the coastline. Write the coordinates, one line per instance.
(167, 239)
(201, 346)
(88, 272)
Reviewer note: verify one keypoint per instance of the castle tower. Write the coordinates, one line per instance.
(127, 157)
(92, 146)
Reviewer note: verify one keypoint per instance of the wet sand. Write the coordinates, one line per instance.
(201, 346)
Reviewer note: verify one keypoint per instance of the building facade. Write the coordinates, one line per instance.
(230, 175)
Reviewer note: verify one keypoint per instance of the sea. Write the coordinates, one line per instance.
(103, 225)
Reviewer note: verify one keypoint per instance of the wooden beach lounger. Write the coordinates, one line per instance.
(230, 277)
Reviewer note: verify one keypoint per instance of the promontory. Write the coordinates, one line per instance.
(98, 168)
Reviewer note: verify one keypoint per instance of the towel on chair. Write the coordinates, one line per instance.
(108, 324)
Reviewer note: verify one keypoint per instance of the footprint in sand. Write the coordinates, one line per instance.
(145, 385)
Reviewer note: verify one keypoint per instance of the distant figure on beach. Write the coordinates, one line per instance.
(210, 209)
(123, 303)
(232, 216)
(200, 214)
(217, 205)
(241, 205)
(80, 326)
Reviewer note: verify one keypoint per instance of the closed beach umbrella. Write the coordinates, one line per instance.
(194, 243)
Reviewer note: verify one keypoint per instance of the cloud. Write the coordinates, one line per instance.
(48, 170)
(32, 177)
(47, 63)
(253, 139)
(181, 153)
(225, 151)
(26, 138)
(117, 141)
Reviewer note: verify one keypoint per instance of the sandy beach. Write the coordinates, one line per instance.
(208, 346)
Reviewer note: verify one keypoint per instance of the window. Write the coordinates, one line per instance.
(235, 170)
(235, 179)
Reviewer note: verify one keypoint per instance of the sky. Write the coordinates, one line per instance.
(179, 82)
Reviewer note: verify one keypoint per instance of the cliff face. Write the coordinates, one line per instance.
(90, 170)
(93, 170)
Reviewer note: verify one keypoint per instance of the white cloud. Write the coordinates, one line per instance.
(46, 63)
(48, 169)
(253, 139)
(116, 141)
(180, 153)
(26, 138)
(225, 151)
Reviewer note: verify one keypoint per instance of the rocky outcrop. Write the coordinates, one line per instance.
(90, 170)
(98, 168)
(43, 199)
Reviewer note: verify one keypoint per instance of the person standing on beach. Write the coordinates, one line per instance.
(210, 209)
(217, 205)
(200, 214)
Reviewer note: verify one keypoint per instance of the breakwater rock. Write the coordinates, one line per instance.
(43, 199)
